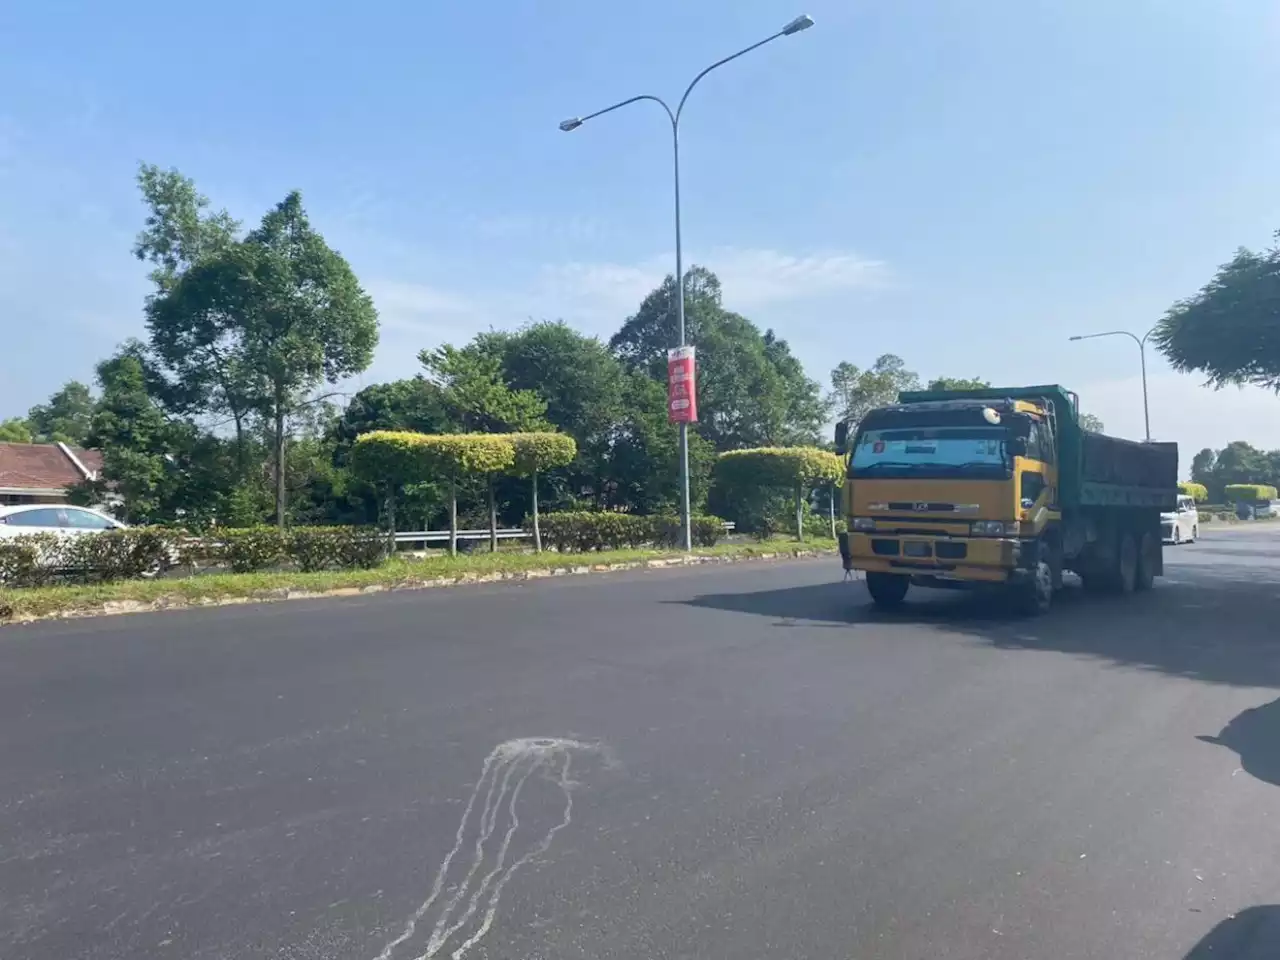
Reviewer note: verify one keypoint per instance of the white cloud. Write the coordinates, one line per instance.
(1183, 411)
(749, 278)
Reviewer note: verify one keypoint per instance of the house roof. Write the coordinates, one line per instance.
(46, 466)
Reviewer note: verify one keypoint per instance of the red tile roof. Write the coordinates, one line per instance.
(44, 466)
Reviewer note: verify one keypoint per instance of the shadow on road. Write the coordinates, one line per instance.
(1252, 934)
(1255, 736)
(1218, 625)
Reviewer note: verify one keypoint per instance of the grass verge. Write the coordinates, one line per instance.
(401, 573)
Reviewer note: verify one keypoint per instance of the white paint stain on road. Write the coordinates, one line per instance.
(467, 915)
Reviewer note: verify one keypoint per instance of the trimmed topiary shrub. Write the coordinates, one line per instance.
(789, 468)
(1248, 492)
(1198, 491)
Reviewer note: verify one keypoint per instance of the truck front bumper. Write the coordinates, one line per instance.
(978, 559)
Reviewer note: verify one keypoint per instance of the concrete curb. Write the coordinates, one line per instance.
(116, 607)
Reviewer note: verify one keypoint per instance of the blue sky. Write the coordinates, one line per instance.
(964, 184)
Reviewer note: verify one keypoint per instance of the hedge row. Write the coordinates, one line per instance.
(1197, 491)
(36, 559)
(579, 531)
(1248, 492)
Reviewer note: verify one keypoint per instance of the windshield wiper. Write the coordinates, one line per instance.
(897, 464)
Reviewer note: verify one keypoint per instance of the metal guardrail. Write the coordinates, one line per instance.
(442, 536)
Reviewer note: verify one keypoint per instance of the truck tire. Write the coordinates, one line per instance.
(1148, 560)
(1033, 596)
(887, 590)
(1120, 572)
(1125, 574)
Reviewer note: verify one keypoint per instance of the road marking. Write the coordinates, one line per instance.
(502, 778)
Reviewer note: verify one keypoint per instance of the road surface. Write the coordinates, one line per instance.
(728, 762)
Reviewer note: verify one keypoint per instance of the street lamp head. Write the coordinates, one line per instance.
(802, 22)
(573, 123)
(1075, 338)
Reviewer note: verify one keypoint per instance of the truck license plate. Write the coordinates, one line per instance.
(914, 548)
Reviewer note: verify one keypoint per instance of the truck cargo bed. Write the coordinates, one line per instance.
(1115, 472)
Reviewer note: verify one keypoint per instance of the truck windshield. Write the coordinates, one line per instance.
(931, 452)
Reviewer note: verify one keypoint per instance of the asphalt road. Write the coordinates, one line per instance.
(730, 762)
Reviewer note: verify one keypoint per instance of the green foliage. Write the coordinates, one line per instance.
(958, 383)
(474, 392)
(325, 548)
(584, 531)
(33, 560)
(251, 548)
(751, 390)
(67, 417)
(15, 430)
(1198, 491)
(540, 452)
(282, 308)
(856, 392)
(1230, 330)
(467, 454)
(788, 467)
(390, 457)
(1248, 492)
(135, 438)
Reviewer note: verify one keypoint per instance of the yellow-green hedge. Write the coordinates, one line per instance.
(787, 467)
(396, 456)
(1197, 491)
(1248, 492)
(539, 452)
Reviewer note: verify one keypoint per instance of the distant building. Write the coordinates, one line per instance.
(44, 472)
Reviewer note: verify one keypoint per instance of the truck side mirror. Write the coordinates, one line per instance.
(842, 437)
(1017, 446)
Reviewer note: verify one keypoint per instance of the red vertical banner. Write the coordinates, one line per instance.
(682, 397)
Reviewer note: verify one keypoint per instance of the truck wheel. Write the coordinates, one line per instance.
(1125, 574)
(1035, 595)
(1148, 560)
(887, 590)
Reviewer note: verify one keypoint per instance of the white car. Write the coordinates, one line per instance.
(1183, 524)
(54, 518)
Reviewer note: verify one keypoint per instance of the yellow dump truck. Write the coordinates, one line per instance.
(1000, 488)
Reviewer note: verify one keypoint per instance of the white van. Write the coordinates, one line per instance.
(1183, 525)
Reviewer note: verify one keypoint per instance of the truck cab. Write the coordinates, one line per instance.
(963, 489)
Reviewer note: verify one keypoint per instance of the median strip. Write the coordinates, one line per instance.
(212, 589)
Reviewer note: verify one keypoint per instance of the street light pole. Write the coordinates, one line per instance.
(802, 22)
(1142, 356)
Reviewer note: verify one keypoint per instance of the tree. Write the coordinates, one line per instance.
(1202, 467)
(474, 392)
(205, 370)
(15, 430)
(287, 308)
(959, 383)
(537, 453)
(856, 392)
(135, 438)
(67, 417)
(751, 391)
(1230, 330)
(1091, 423)
(582, 384)
(791, 468)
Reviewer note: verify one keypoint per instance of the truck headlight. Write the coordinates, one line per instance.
(864, 524)
(995, 528)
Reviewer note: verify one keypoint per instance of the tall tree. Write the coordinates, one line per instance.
(205, 371)
(856, 392)
(1230, 330)
(291, 311)
(66, 417)
(1091, 423)
(1202, 467)
(750, 389)
(959, 383)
